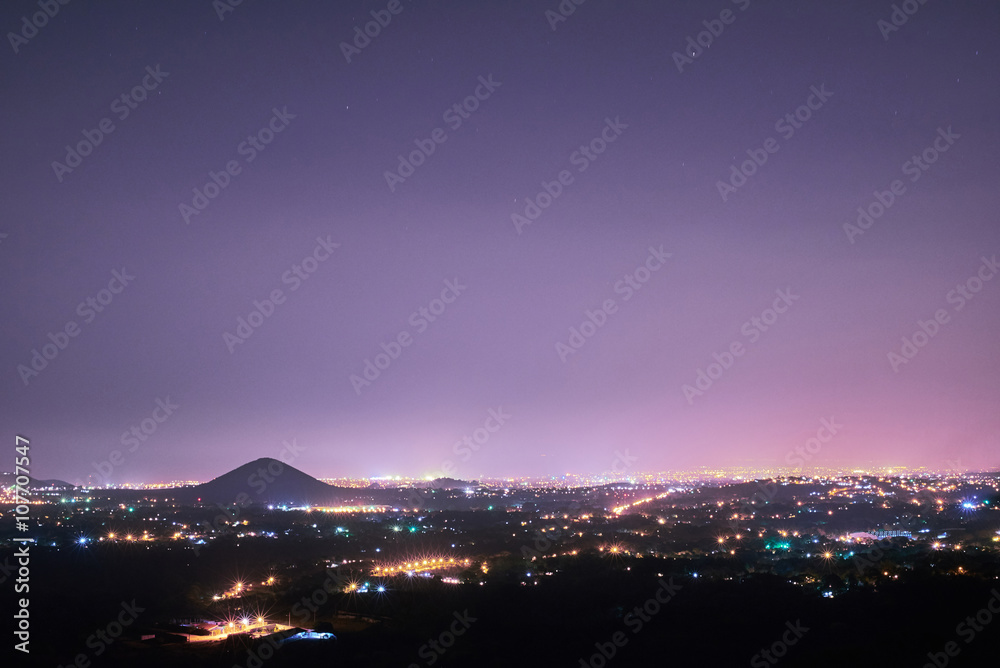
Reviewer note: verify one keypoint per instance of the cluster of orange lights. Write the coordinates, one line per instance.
(621, 509)
(129, 538)
(237, 624)
(112, 536)
(420, 565)
(236, 591)
(350, 509)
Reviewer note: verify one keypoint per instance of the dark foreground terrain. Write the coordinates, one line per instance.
(724, 617)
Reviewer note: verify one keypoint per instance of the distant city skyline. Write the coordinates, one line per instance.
(571, 478)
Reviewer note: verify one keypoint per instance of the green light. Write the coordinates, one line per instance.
(131, 510)
(413, 529)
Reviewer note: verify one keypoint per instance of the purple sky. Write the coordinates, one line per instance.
(655, 185)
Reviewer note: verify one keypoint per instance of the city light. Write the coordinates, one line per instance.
(420, 565)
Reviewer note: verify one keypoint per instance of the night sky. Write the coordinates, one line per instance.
(566, 261)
